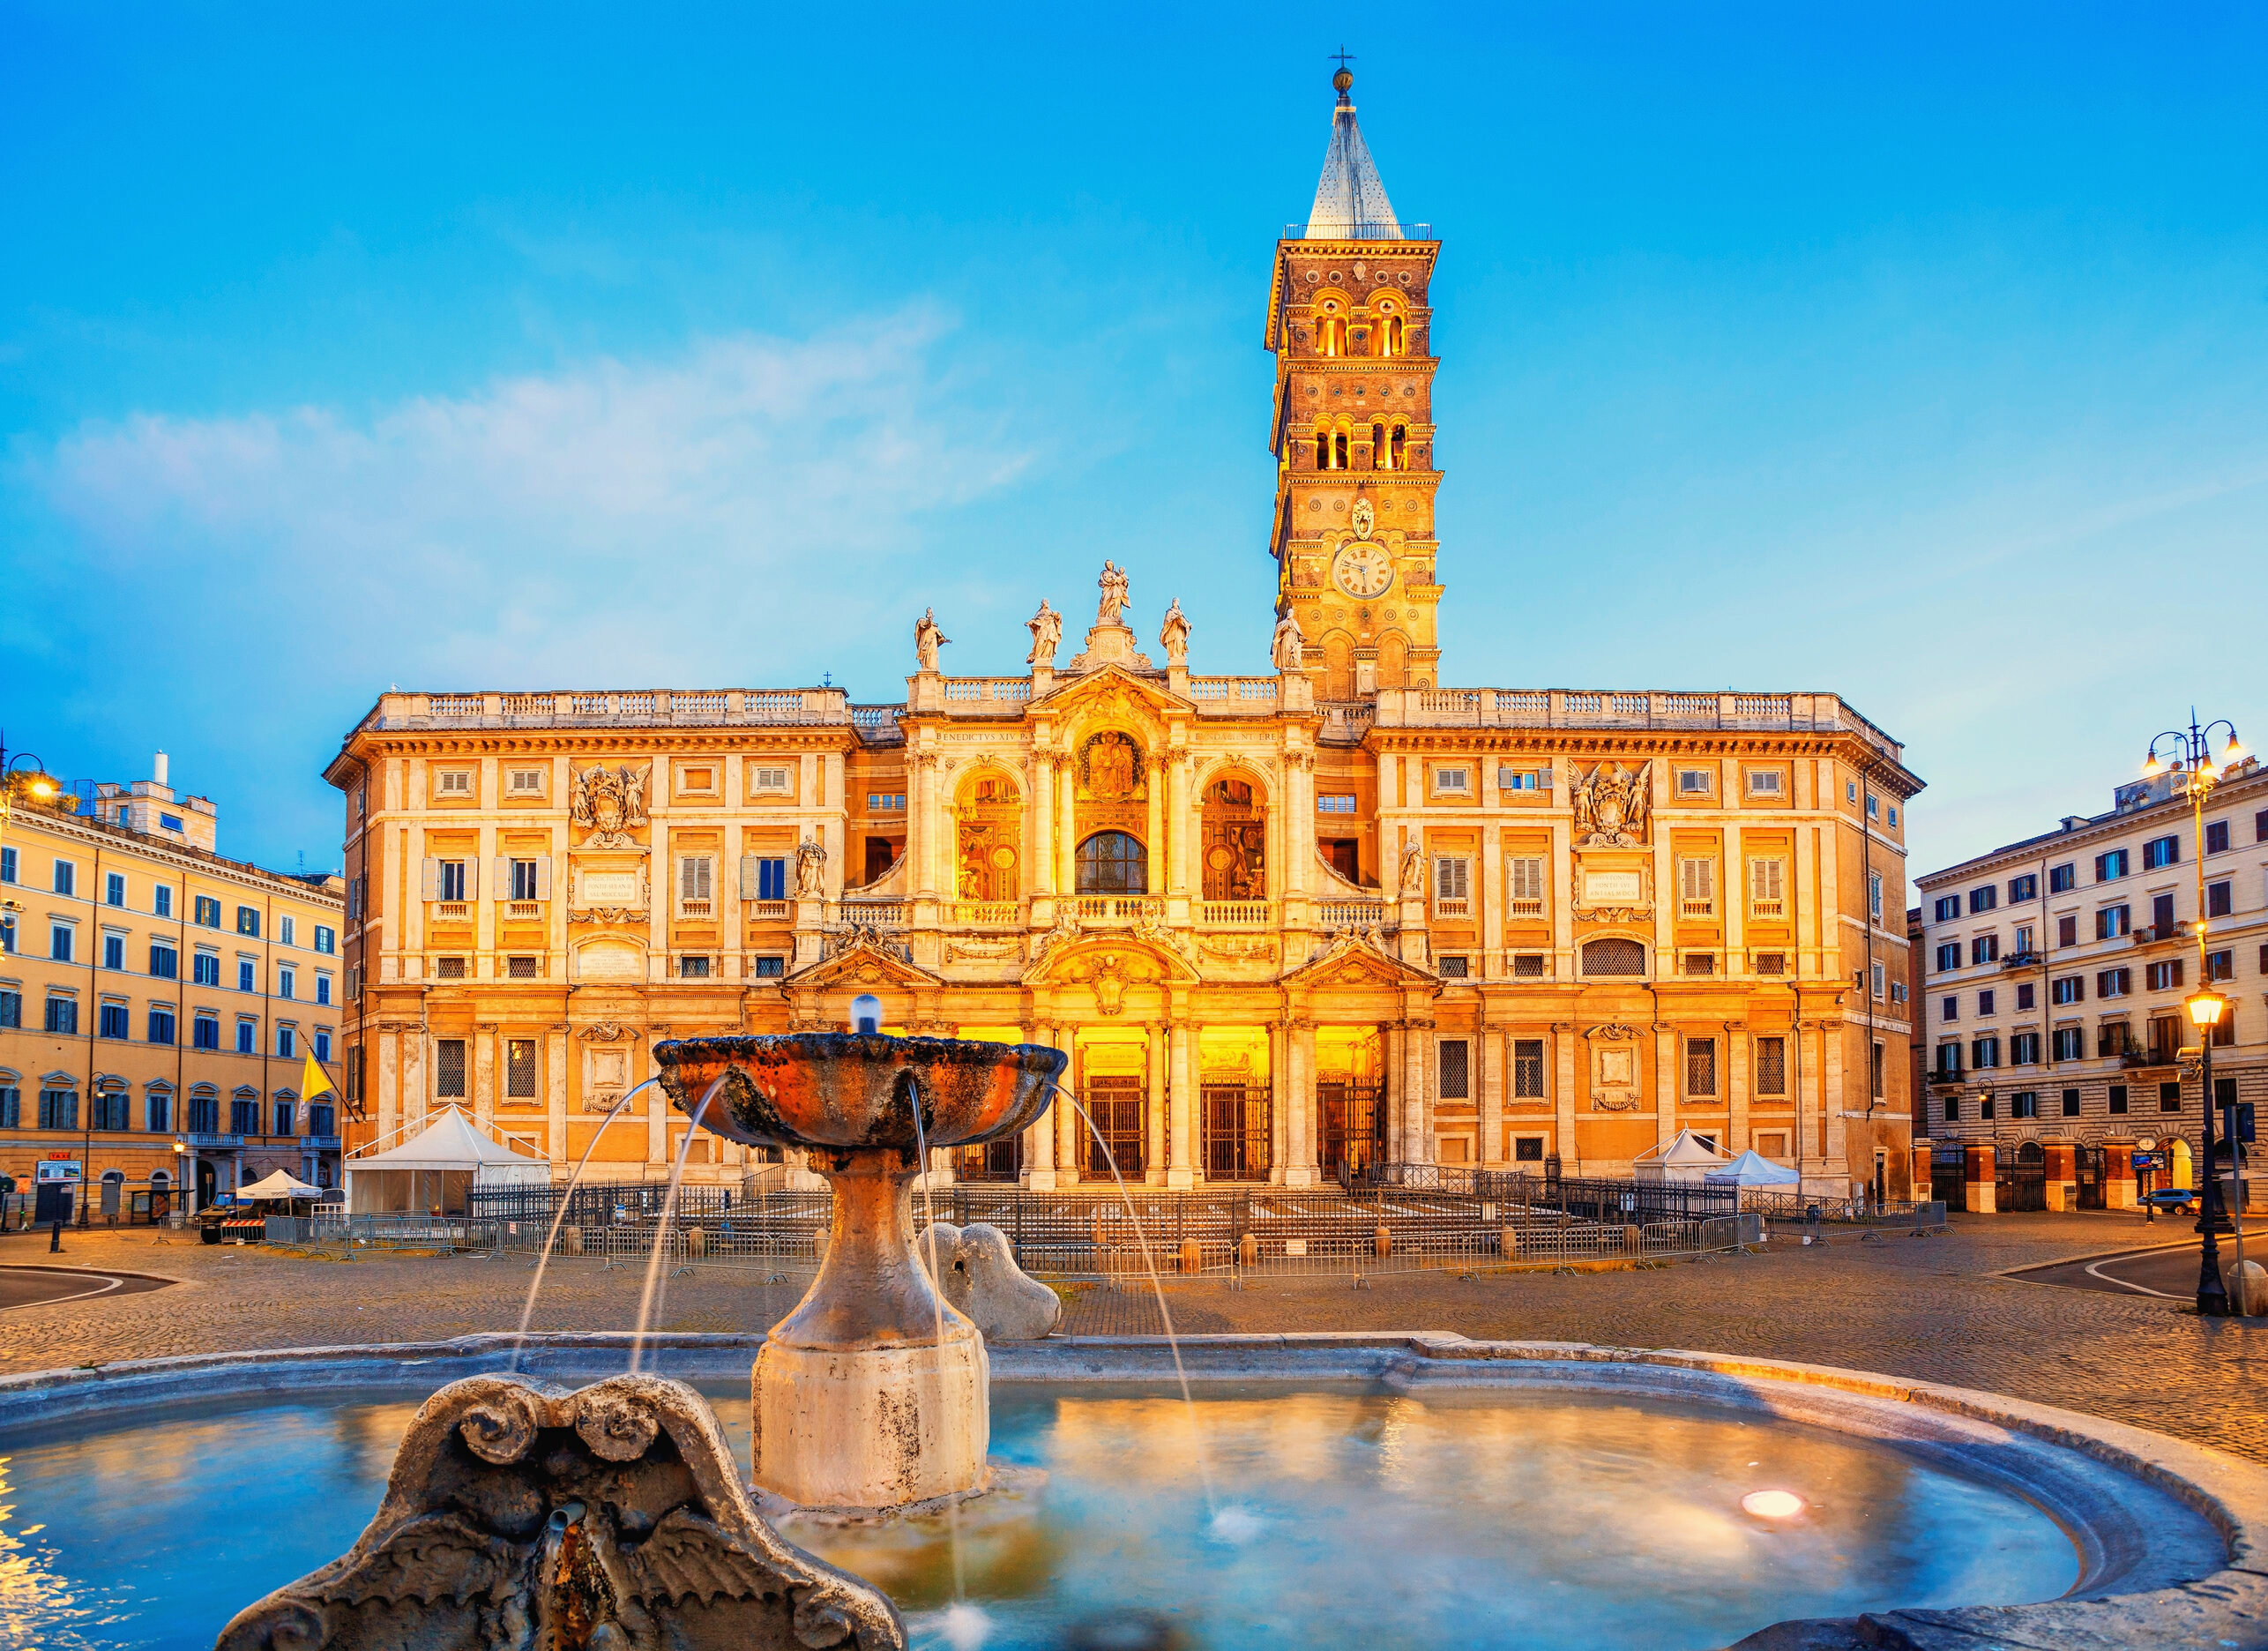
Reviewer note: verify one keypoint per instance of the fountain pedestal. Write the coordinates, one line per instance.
(873, 1392)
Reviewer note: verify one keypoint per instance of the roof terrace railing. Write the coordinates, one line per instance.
(681, 707)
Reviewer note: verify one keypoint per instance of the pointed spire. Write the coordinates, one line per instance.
(1350, 202)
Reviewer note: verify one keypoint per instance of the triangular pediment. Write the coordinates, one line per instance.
(863, 963)
(1141, 955)
(1105, 684)
(1356, 959)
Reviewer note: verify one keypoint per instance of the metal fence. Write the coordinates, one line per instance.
(1775, 1205)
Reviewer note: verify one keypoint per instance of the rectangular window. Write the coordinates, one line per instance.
(243, 1115)
(205, 969)
(2169, 1096)
(1949, 1061)
(326, 939)
(1700, 1067)
(767, 779)
(772, 878)
(248, 1037)
(2113, 983)
(1452, 884)
(287, 982)
(208, 912)
(2118, 1097)
(1984, 1053)
(1984, 1108)
(323, 1054)
(1694, 782)
(2113, 921)
(169, 822)
(114, 889)
(11, 1009)
(1523, 884)
(1985, 1003)
(771, 968)
(1764, 783)
(2220, 966)
(2024, 940)
(886, 802)
(1528, 1150)
(1334, 803)
(2062, 879)
(2025, 1103)
(454, 782)
(524, 782)
(203, 1115)
(248, 976)
(1948, 908)
(694, 874)
(322, 989)
(1949, 1008)
(59, 942)
(1696, 886)
(161, 1114)
(165, 962)
(2024, 1049)
(2070, 1043)
(1456, 1069)
(1522, 779)
(2024, 888)
(321, 1120)
(449, 1068)
(284, 1110)
(520, 969)
(1529, 965)
(1983, 900)
(1952, 1108)
(519, 1069)
(1455, 781)
(2216, 837)
(247, 920)
(66, 878)
(1528, 1069)
(2161, 915)
(286, 1042)
(7, 865)
(1456, 966)
(161, 900)
(1949, 957)
(2067, 930)
(112, 1022)
(114, 951)
(449, 968)
(2070, 1103)
(1881, 980)
(692, 968)
(449, 880)
(58, 1109)
(2160, 852)
(207, 1032)
(2220, 897)
(1772, 1065)
(523, 881)
(2165, 977)
(1985, 949)
(162, 1024)
(2111, 866)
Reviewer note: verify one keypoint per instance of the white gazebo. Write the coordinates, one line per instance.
(1751, 1171)
(1683, 1157)
(435, 1168)
(282, 1184)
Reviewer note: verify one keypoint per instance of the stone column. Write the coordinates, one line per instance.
(1177, 803)
(1071, 1129)
(1983, 1200)
(2118, 1175)
(1040, 855)
(1302, 1170)
(555, 1094)
(484, 1073)
(414, 1103)
(1181, 1171)
(2063, 1167)
(1665, 1083)
(1490, 890)
(1562, 1070)
(1299, 822)
(1736, 1081)
(1491, 1051)
(1066, 826)
(1155, 853)
(1394, 1087)
(657, 1104)
(1279, 1104)
(1154, 1069)
(1830, 1105)
(1418, 1052)
(1040, 1139)
(387, 1079)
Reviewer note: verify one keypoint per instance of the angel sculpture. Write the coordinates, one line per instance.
(1174, 635)
(609, 803)
(1114, 594)
(928, 637)
(1046, 628)
(1610, 805)
(1285, 650)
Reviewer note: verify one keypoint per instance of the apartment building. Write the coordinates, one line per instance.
(2055, 969)
(157, 1003)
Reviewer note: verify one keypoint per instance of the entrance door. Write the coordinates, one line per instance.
(1115, 1106)
(52, 1202)
(1349, 1111)
(1238, 1122)
(2091, 1177)
(999, 1159)
(207, 1184)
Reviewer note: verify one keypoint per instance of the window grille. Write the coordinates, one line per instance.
(1772, 1065)
(519, 1069)
(1456, 1069)
(1701, 1066)
(1528, 1069)
(449, 1068)
(1613, 956)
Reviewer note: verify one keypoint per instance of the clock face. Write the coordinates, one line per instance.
(1363, 570)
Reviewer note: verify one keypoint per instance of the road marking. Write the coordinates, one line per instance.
(2096, 1272)
(106, 1286)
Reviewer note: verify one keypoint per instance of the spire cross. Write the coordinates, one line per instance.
(1342, 56)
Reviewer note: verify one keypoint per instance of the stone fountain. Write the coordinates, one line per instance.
(873, 1393)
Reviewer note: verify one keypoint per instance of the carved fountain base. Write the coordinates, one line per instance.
(858, 1400)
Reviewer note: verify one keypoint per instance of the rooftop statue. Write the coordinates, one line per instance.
(1114, 594)
(928, 637)
(1285, 651)
(1174, 635)
(1046, 628)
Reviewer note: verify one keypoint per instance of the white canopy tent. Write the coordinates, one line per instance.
(435, 1168)
(1684, 1156)
(1748, 1170)
(282, 1184)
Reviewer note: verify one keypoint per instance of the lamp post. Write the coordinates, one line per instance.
(2192, 751)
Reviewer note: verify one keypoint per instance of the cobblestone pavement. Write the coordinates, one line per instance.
(1929, 1308)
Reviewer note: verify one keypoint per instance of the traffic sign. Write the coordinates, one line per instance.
(2236, 1117)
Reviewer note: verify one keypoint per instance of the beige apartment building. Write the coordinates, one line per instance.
(157, 1005)
(1287, 924)
(2056, 968)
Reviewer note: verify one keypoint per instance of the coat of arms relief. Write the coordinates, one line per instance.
(1613, 874)
(609, 803)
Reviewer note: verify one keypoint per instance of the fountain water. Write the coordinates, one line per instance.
(649, 1298)
(566, 1203)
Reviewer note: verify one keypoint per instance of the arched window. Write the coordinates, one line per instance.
(1395, 445)
(1381, 456)
(1330, 336)
(1613, 956)
(1389, 334)
(1338, 450)
(1112, 862)
(1323, 450)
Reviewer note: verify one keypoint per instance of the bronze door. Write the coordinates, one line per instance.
(1348, 1111)
(1115, 1106)
(1238, 1118)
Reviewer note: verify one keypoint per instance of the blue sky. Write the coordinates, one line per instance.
(1921, 354)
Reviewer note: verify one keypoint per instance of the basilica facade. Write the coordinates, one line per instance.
(1287, 925)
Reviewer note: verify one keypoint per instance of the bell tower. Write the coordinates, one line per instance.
(1348, 324)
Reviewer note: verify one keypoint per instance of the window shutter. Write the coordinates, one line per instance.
(749, 874)
(429, 879)
(473, 876)
(543, 877)
(503, 875)
(2177, 974)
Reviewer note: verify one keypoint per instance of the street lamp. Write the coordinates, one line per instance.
(2192, 750)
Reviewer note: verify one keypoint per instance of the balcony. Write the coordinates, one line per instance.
(318, 1143)
(2022, 959)
(698, 910)
(1354, 914)
(770, 911)
(1230, 695)
(1452, 910)
(522, 911)
(1117, 910)
(872, 914)
(1568, 708)
(985, 914)
(2148, 1059)
(452, 911)
(1233, 914)
(211, 1140)
(1524, 910)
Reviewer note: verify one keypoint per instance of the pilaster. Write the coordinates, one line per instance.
(1181, 1171)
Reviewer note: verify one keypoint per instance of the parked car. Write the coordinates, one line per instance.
(2171, 1200)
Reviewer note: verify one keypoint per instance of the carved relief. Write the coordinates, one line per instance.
(609, 803)
(1611, 806)
(1111, 769)
(1616, 1068)
(608, 1032)
(1234, 949)
(982, 950)
(810, 866)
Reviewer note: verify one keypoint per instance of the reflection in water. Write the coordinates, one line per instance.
(1474, 1518)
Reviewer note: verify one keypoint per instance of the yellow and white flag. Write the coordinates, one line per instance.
(315, 1081)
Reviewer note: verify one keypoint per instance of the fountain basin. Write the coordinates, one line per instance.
(1443, 1447)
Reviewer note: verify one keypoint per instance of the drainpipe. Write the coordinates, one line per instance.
(94, 1021)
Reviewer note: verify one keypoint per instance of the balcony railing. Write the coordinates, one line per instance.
(1524, 910)
(2147, 1057)
(1355, 914)
(768, 911)
(2022, 959)
(524, 911)
(212, 1141)
(1234, 693)
(873, 913)
(1452, 908)
(452, 911)
(977, 692)
(1117, 909)
(318, 1143)
(701, 707)
(986, 913)
(1572, 708)
(1233, 914)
